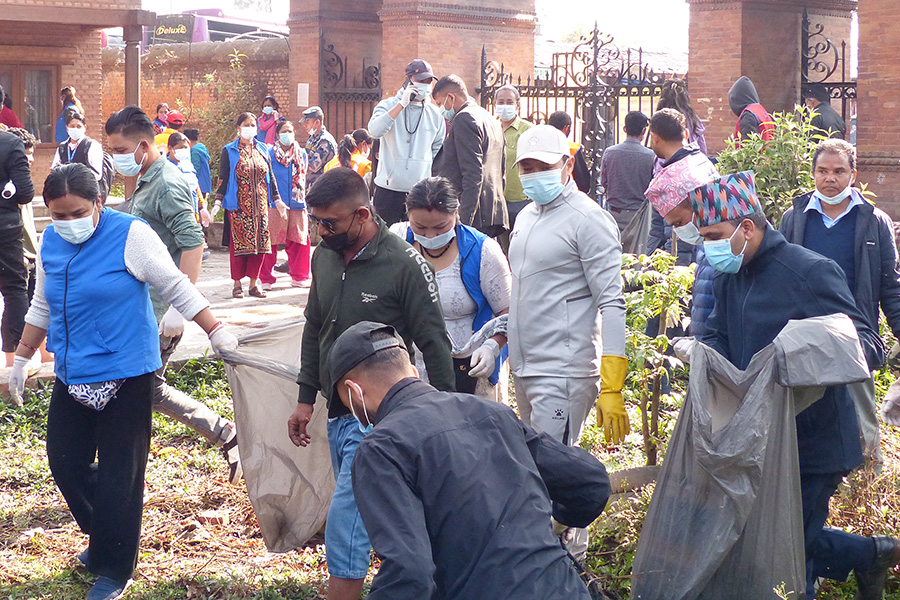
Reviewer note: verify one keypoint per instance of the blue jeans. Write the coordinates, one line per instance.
(347, 544)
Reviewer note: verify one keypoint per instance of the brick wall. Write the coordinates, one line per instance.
(176, 74)
(731, 38)
(878, 134)
(75, 50)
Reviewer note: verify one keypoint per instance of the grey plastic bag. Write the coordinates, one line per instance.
(635, 234)
(725, 520)
(290, 488)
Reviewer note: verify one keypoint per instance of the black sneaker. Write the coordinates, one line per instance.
(870, 584)
(233, 457)
(282, 267)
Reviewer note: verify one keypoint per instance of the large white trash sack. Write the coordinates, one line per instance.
(290, 487)
(725, 521)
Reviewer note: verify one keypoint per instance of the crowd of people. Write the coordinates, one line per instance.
(456, 246)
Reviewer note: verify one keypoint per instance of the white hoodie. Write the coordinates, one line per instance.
(404, 158)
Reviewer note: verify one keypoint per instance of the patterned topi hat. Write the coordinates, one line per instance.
(671, 186)
(729, 197)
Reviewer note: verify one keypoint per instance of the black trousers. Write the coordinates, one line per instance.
(105, 498)
(13, 287)
(390, 205)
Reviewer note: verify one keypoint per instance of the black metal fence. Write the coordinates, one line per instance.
(824, 62)
(347, 103)
(596, 83)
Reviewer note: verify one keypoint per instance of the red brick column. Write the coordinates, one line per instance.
(757, 38)
(878, 121)
(450, 37)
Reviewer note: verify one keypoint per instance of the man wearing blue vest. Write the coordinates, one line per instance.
(163, 199)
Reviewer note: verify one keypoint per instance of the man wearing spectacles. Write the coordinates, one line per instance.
(363, 273)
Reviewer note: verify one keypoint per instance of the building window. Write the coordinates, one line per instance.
(33, 91)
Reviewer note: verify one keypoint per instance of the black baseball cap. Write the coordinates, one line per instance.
(356, 345)
(419, 69)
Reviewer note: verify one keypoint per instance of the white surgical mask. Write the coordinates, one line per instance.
(76, 134)
(268, 110)
(423, 90)
(832, 200)
(506, 112)
(183, 154)
(126, 164)
(689, 233)
(368, 425)
(438, 241)
(75, 231)
(248, 133)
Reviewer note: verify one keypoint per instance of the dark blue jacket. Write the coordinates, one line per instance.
(703, 300)
(877, 280)
(782, 282)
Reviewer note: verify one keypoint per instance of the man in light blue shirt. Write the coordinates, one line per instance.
(411, 131)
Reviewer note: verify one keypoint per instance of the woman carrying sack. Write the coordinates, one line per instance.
(92, 302)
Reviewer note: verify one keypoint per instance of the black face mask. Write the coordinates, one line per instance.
(338, 242)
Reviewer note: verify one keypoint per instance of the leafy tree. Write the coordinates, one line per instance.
(263, 6)
(783, 166)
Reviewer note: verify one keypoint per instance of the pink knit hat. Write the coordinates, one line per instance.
(672, 185)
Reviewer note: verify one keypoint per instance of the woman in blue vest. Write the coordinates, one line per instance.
(474, 282)
(246, 190)
(289, 165)
(79, 148)
(92, 302)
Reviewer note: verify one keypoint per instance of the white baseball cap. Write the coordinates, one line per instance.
(544, 143)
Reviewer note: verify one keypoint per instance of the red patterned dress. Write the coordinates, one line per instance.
(250, 222)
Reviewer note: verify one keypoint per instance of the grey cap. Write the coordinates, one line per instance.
(313, 112)
(356, 345)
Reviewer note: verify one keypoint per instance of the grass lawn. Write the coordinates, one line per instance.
(182, 558)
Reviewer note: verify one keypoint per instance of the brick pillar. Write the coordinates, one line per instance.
(731, 38)
(878, 102)
(304, 24)
(450, 37)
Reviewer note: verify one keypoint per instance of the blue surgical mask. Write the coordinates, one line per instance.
(833, 200)
(438, 241)
(689, 233)
(544, 186)
(268, 110)
(286, 138)
(126, 164)
(364, 429)
(722, 257)
(75, 231)
(448, 113)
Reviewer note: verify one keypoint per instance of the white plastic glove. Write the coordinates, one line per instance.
(282, 208)
(17, 378)
(172, 323)
(221, 339)
(482, 361)
(205, 217)
(890, 406)
(216, 208)
(408, 95)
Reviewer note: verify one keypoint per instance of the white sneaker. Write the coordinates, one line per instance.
(301, 284)
(266, 287)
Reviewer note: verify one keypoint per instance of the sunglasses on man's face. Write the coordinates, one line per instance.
(328, 224)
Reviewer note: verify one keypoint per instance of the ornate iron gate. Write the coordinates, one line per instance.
(822, 61)
(347, 104)
(596, 83)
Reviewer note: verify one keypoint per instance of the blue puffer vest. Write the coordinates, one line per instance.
(704, 300)
(470, 242)
(101, 319)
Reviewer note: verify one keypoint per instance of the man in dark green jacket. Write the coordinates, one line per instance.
(363, 273)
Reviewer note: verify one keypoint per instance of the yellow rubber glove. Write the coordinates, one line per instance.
(611, 413)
